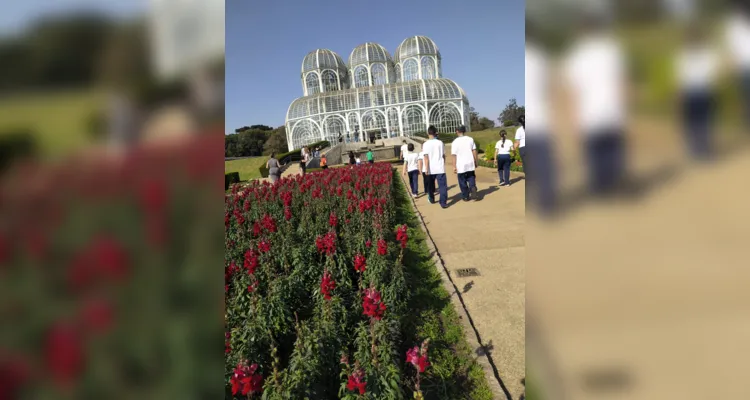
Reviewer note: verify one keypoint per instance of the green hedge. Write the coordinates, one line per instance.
(230, 179)
(489, 152)
(16, 144)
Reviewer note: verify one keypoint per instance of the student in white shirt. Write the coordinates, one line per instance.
(737, 36)
(357, 160)
(464, 152)
(595, 72)
(520, 140)
(540, 184)
(502, 158)
(411, 167)
(423, 170)
(434, 159)
(404, 151)
(697, 69)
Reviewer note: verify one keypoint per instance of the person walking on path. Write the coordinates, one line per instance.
(502, 158)
(370, 156)
(323, 162)
(464, 151)
(434, 157)
(520, 141)
(305, 159)
(411, 167)
(274, 168)
(404, 151)
(422, 169)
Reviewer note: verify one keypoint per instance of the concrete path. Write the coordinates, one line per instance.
(487, 235)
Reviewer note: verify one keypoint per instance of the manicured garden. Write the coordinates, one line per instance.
(331, 293)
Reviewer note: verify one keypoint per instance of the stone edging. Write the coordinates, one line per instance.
(475, 342)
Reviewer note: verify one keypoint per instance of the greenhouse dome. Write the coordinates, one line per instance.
(379, 100)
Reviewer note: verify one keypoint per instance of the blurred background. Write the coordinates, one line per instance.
(111, 147)
(637, 224)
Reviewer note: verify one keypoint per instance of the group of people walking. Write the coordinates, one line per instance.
(354, 159)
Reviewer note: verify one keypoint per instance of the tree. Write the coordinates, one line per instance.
(486, 123)
(277, 142)
(511, 112)
(261, 127)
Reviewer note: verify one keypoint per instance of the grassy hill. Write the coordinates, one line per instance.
(488, 136)
(247, 167)
(59, 120)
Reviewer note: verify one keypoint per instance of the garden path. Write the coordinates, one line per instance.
(487, 235)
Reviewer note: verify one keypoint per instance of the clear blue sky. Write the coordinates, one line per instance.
(481, 42)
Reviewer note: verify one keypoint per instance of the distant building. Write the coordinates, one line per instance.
(374, 92)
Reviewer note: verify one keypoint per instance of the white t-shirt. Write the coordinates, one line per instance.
(738, 39)
(595, 71)
(434, 150)
(424, 165)
(504, 148)
(697, 68)
(404, 150)
(462, 148)
(537, 90)
(357, 160)
(521, 136)
(411, 160)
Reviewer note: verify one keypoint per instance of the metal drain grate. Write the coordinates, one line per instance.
(464, 272)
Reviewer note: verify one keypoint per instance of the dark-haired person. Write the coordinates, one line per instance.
(411, 167)
(352, 160)
(434, 158)
(323, 162)
(305, 159)
(274, 168)
(404, 151)
(520, 140)
(697, 69)
(502, 158)
(464, 151)
(370, 156)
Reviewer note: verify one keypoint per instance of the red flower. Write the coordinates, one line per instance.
(97, 316)
(109, 256)
(327, 284)
(245, 380)
(382, 247)
(402, 236)
(264, 246)
(368, 244)
(64, 354)
(326, 244)
(287, 213)
(251, 261)
(257, 230)
(372, 304)
(227, 343)
(356, 381)
(268, 223)
(333, 220)
(417, 358)
(360, 263)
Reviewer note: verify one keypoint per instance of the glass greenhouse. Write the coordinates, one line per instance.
(374, 92)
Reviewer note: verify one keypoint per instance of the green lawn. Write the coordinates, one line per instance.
(247, 167)
(488, 136)
(59, 120)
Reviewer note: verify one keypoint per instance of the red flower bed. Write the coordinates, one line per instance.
(328, 286)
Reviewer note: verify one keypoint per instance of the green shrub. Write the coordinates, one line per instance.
(230, 179)
(16, 144)
(263, 171)
(421, 134)
(489, 152)
(508, 122)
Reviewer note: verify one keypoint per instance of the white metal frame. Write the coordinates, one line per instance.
(381, 97)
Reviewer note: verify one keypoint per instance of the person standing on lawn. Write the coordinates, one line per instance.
(502, 158)
(370, 156)
(411, 166)
(434, 158)
(464, 151)
(274, 168)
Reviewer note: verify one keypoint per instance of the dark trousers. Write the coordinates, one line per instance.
(370, 161)
(466, 181)
(303, 167)
(441, 181)
(426, 184)
(541, 184)
(605, 151)
(414, 181)
(522, 153)
(324, 167)
(503, 168)
(697, 111)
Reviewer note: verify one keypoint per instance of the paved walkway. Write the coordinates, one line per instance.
(487, 235)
